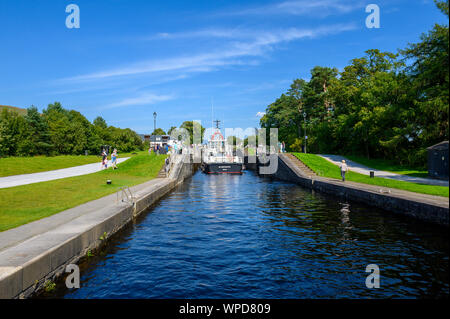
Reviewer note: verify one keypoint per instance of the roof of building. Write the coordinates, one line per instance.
(159, 138)
(439, 146)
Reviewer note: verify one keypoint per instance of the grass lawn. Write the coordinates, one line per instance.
(389, 166)
(22, 204)
(324, 168)
(26, 165)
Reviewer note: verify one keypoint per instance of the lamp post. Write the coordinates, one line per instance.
(306, 137)
(154, 122)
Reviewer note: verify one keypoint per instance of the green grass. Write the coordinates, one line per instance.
(26, 165)
(130, 154)
(324, 168)
(23, 204)
(389, 166)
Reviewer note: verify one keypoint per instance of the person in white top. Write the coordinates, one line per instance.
(344, 170)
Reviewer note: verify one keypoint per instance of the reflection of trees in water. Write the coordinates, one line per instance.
(357, 228)
(288, 235)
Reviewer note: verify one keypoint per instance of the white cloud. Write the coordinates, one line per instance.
(260, 114)
(209, 32)
(236, 53)
(144, 99)
(317, 8)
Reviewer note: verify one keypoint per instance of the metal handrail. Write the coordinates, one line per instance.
(126, 193)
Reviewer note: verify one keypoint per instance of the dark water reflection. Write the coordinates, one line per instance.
(249, 237)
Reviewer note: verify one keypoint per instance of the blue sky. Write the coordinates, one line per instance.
(130, 58)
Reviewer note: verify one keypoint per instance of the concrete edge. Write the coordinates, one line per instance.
(28, 278)
(421, 207)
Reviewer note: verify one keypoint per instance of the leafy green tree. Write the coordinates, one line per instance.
(100, 122)
(13, 130)
(60, 131)
(171, 130)
(233, 140)
(36, 137)
(381, 105)
(189, 126)
(159, 131)
(429, 72)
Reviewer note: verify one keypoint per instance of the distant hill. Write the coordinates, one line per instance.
(14, 109)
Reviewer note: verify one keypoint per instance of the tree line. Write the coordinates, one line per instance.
(382, 105)
(57, 131)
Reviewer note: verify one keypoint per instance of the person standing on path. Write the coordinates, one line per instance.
(114, 159)
(344, 170)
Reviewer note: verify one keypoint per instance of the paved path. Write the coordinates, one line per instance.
(438, 201)
(358, 168)
(17, 180)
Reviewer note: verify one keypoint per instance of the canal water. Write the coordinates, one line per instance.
(252, 237)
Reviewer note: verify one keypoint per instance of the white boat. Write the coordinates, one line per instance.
(218, 156)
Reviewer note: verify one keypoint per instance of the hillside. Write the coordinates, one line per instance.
(13, 108)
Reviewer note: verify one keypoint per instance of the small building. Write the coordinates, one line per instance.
(438, 160)
(145, 137)
(161, 140)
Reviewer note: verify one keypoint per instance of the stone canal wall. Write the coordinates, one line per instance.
(34, 253)
(433, 209)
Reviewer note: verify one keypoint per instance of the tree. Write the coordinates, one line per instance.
(12, 131)
(159, 131)
(429, 72)
(100, 122)
(283, 114)
(189, 126)
(171, 130)
(36, 137)
(381, 105)
(233, 140)
(60, 131)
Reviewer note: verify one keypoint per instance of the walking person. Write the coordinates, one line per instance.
(344, 169)
(104, 159)
(114, 159)
(167, 167)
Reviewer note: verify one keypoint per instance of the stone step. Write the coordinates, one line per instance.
(301, 165)
(162, 173)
